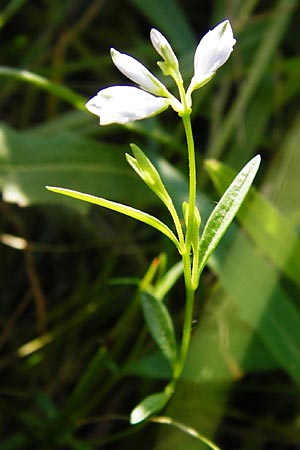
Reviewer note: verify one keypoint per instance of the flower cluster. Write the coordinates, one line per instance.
(124, 104)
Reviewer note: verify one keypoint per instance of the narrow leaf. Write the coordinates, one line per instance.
(150, 405)
(168, 281)
(118, 207)
(225, 211)
(43, 83)
(149, 174)
(271, 230)
(160, 325)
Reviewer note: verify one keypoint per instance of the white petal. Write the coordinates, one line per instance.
(124, 104)
(212, 52)
(137, 72)
(163, 48)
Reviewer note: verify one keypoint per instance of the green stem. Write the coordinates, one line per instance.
(186, 118)
(189, 254)
(192, 179)
(186, 335)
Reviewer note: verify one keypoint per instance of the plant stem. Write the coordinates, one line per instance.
(189, 253)
(192, 180)
(186, 335)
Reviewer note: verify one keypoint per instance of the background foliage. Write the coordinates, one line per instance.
(75, 353)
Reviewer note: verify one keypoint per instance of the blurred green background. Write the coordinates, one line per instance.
(75, 354)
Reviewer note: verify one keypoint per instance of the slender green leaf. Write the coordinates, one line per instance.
(9, 10)
(149, 174)
(150, 405)
(146, 170)
(270, 230)
(118, 207)
(168, 281)
(42, 83)
(160, 325)
(225, 211)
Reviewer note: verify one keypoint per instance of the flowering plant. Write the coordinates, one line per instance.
(124, 104)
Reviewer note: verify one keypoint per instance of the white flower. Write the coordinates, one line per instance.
(212, 52)
(124, 104)
(138, 73)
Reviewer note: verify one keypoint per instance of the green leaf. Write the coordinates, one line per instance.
(146, 170)
(40, 82)
(150, 405)
(160, 325)
(118, 207)
(269, 229)
(225, 211)
(168, 281)
(254, 286)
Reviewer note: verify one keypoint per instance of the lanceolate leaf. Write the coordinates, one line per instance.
(225, 211)
(160, 325)
(149, 174)
(150, 405)
(272, 232)
(118, 207)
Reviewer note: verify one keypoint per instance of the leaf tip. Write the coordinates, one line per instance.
(55, 189)
(257, 159)
(149, 406)
(255, 163)
(137, 416)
